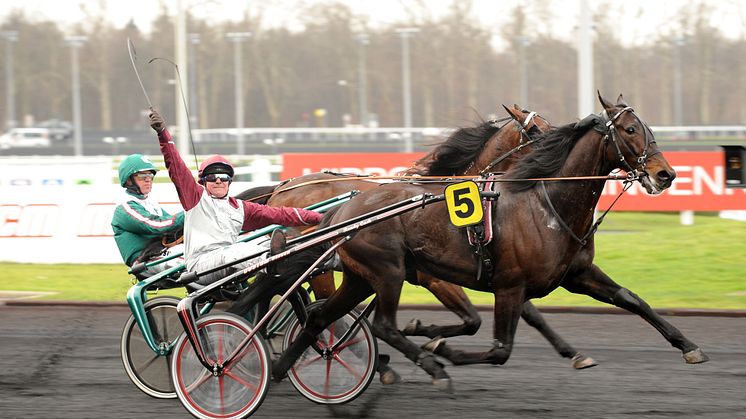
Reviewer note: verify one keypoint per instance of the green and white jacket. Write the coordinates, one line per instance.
(137, 221)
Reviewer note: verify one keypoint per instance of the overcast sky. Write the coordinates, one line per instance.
(636, 18)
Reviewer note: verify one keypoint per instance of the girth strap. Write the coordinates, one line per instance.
(480, 235)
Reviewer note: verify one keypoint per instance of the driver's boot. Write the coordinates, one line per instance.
(277, 244)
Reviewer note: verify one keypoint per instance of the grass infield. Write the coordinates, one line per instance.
(652, 254)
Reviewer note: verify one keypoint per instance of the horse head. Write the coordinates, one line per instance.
(529, 121)
(634, 147)
(507, 145)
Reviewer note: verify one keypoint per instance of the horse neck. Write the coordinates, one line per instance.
(576, 200)
(501, 142)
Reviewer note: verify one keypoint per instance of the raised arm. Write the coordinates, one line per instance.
(188, 189)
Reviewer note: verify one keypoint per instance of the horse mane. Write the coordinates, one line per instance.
(457, 151)
(548, 156)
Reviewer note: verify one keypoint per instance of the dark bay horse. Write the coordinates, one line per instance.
(466, 152)
(543, 240)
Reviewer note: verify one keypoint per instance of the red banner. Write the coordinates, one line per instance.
(699, 184)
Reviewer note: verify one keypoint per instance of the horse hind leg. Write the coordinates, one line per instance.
(453, 298)
(533, 318)
(508, 308)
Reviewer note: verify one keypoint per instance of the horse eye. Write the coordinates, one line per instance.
(630, 130)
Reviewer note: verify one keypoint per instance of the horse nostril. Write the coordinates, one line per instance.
(666, 176)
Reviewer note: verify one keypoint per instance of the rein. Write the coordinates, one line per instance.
(449, 179)
(610, 132)
(592, 230)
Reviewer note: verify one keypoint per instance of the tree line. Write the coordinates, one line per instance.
(457, 76)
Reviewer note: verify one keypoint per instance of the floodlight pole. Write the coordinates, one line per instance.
(182, 139)
(523, 66)
(10, 94)
(585, 61)
(238, 38)
(194, 40)
(362, 86)
(405, 34)
(75, 42)
(678, 98)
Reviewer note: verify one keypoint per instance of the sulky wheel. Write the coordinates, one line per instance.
(334, 376)
(234, 392)
(148, 370)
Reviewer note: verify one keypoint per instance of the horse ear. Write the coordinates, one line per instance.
(514, 113)
(605, 103)
(620, 101)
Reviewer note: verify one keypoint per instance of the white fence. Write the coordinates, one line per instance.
(69, 223)
(59, 209)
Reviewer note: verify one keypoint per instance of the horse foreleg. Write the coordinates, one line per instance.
(453, 298)
(533, 317)
(595, 283)
(508, 308)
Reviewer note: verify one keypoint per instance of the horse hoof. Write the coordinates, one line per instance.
(443, 384)
(411, 328)
(581, 361)
(389, 376)
(695, 357)
(434, 344)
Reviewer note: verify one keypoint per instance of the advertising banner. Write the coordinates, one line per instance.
(699, 185)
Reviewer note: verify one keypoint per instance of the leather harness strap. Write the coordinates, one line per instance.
(480, 235)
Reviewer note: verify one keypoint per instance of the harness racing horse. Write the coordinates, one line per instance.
(543, 240)
(466, 152)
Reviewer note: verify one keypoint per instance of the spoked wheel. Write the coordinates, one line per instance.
(278, 326)
(237, 391)
(334, 376)
(148, 370)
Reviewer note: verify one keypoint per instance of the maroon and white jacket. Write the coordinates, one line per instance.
(213, 223)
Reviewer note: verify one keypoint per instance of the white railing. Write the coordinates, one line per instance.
(404, 138)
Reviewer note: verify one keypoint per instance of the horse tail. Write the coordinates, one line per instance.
(259, 194)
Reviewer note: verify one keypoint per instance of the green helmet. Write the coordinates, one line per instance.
(132, 164)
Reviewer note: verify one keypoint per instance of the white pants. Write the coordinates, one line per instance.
(179, 248)
(230, 254)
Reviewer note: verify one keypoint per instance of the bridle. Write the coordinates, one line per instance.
(606, 127)
(610, 133)
(523, 128)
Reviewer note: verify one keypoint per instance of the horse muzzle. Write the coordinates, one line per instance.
(656, 181)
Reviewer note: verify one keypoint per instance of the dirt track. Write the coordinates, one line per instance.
(63, 362)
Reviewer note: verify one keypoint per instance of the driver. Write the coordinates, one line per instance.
(139, 222)
(213, 219)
